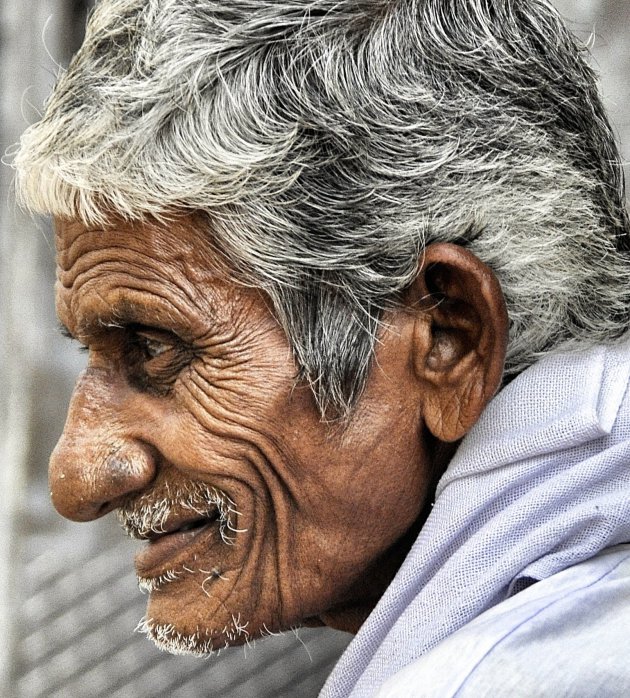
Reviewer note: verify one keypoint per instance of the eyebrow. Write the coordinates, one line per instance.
(125, 313)
(113, 319)
(117, 315)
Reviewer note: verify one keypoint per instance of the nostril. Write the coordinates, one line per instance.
(105, 508)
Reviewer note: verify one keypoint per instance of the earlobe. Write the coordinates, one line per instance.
(460, 338)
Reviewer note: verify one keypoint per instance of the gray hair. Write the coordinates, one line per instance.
(327, 142)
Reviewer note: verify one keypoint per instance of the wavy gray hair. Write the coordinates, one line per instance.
(326, 142)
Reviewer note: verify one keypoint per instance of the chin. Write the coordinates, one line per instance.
(193, 613)
(166, 637)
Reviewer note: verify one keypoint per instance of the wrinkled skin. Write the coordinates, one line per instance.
(190, 382)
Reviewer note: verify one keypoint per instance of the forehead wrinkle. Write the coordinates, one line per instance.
(68, 236)
(186, 260)
(170, 276)
(119, 248)
(154, 273)
(108, 285)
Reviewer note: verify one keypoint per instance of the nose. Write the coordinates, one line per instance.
(98, 459)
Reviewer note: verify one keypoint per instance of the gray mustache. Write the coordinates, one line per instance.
(149, 515)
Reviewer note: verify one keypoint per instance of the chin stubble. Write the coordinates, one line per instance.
(201, 643)
(204, 643)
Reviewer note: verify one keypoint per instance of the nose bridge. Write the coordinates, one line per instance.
(97, 460)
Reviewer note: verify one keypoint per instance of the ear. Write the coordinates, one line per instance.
(459, 338)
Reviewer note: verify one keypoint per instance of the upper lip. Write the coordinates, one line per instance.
(175, 524)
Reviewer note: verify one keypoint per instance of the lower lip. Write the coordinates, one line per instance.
(169, 550)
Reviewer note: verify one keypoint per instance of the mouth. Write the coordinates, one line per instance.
(177, 544)
(181, 528)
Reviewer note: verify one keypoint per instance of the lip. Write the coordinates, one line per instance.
(171, 550)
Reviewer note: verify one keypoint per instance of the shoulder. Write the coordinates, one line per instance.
(564, 636)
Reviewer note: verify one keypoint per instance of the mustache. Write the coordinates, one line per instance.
(152, 513)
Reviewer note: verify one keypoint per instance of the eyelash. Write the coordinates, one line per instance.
(66, 333)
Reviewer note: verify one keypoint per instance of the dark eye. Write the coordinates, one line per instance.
(151, 345)
(155, 358)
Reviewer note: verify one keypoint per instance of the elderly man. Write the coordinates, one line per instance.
(306, 244)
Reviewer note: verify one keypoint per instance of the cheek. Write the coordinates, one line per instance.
(319, 505)
(357, 498)
(217, 432)
(224, 415)
(356, 520)
(236, 386)
(373, 475)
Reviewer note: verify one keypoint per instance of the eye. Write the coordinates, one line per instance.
(155, 358)
(151, 345)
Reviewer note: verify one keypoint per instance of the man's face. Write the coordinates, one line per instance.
(188, 421)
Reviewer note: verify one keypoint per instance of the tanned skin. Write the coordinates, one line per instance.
(191, 386)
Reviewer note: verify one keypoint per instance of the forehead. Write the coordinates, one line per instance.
(150, 272)
(182, 240)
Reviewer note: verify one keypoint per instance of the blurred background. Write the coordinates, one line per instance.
(68, 597)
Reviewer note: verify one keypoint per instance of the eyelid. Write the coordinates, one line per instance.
(154, 342)
(154, 335)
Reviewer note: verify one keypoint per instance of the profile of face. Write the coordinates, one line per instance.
(258, 514)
